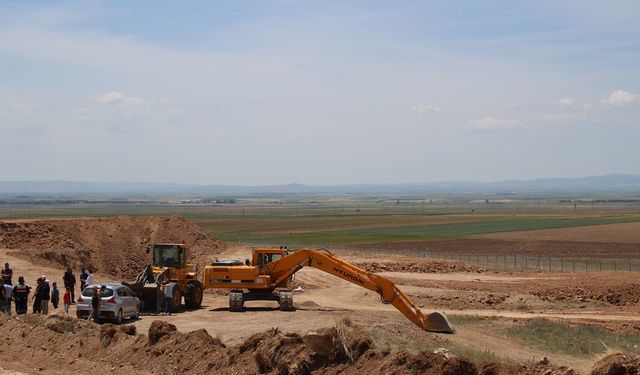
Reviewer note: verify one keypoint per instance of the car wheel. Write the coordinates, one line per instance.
(136, 314)
(119, 317)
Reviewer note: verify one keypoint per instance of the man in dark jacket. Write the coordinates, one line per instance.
(70, 282)
(21, 296)
(45, 296)
(37, 297)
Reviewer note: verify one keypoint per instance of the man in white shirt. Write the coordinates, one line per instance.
(89, 278)
(168, 296)
(8, 289)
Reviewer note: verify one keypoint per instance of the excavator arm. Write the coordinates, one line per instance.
(388, 291)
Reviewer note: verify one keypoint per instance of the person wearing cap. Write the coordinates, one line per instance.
(21, 296)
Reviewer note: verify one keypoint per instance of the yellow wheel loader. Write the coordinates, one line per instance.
(168, 265)
(268, 278)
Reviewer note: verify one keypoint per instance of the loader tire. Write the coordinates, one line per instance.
(286, 300)
(236, 302)
(176, 301)
(194, 299)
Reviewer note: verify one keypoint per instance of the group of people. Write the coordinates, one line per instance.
(45, 292)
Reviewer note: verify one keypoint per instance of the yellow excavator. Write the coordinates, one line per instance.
(269, 275)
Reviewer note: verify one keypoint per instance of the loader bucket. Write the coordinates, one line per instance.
(151, 294)
(438, 322)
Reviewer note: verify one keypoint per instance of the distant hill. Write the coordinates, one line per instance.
(613, 183)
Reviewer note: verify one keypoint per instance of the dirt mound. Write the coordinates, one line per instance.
(159, 329)
(621, 295)
(427, 266)
(81, 346)
(617, 364)
(114, 245)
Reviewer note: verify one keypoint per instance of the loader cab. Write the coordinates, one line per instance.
(169, 255)
(262, 257)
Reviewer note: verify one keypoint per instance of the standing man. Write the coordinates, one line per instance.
(45, 296)
(168, 296)
(95, 305)
(70, 282)
(83, 279)
(21, 296)
(37, 296)
(8, 294)
(6, 274)
(90, 279)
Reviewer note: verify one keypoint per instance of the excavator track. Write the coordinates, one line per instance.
(236, 301)
(286, 300)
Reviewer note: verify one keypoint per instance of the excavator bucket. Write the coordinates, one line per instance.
(438, 322)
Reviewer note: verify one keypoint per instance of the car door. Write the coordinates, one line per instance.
(130, 300)
(124, 305)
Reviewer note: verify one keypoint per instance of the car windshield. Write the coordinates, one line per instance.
(88, 292)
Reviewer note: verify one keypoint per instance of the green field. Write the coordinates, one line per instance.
(387, 234)
(330, 221)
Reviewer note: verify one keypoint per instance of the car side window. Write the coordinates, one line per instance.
(121, 292)
(129, 292)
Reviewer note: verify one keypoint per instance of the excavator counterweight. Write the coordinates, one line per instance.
(271, 271)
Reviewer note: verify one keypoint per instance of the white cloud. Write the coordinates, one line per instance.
(620, 98)
(566, 102)
(116, 97)
(427, 108)
(492, 123)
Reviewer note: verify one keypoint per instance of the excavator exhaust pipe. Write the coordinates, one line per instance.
(438, 322)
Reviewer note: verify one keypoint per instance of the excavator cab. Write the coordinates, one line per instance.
(262, 257)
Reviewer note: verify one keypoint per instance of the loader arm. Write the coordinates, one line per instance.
(388, 291)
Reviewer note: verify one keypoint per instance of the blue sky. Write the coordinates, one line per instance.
(327, 92)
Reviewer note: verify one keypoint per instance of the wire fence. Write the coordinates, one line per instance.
(519, 262)
(502, 262)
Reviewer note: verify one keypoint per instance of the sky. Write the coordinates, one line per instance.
(318, 92)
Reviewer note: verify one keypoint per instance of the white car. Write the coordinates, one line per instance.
(117, 303)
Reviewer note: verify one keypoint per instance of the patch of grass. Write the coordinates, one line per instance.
(461, 320)
(578, 340)
(395, 344)
(476, 355)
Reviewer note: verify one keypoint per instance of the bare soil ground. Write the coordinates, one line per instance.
(264, 339)
(627, 233)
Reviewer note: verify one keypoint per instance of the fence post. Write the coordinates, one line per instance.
(549, 264)
(526, 262)
(496, 261)
(586, 265)
(600, 262)
(573, 267)
(561, 264)
(629, 263)
(515, 262)
(505, 262)
(615, 266)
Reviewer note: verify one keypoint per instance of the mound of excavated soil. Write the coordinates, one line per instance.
(113, 245)
(624, 294)
(63, 344)
(617, 364)
(426, 266)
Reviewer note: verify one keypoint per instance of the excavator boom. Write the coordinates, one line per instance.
(388, 291)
